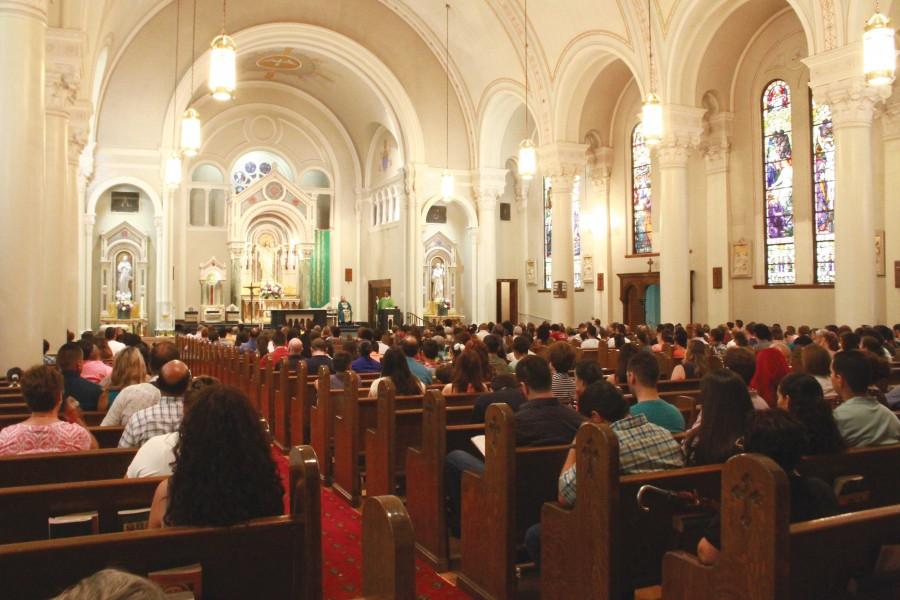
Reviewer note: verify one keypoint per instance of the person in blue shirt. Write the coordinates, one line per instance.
(643, 375)
(365, 363)
(250, 345)
(411, 350)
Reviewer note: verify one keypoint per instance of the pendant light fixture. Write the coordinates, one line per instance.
(222, 63)
(879, 49)
(448, 183)
(191, 135)
(527, 151)
(652, 115)
(173, 163)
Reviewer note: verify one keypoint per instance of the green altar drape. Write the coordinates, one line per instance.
(320, 274)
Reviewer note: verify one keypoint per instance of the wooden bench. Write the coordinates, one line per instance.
(388, 553)
(64, 467)
(763, 556)
(499, 505)
(275, 557)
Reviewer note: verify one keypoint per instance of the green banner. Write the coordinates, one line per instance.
(320, 274)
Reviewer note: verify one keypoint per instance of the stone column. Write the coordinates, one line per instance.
(79, 122)
(489, 187)
(562, 162)
(683, 127)
(600, 170)
(890, 122)
(23, 29)
(522, 207)
(718, 162)
(412, 302)
(836, 79)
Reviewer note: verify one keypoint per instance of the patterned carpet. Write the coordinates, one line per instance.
(341, 526)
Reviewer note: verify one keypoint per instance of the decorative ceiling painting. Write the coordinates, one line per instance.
(285, 65)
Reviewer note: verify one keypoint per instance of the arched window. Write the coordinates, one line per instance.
(641, 194)
(823, 191)
(256, 165)
(778, 182)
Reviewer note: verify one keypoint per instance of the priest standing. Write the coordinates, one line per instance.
(345, 311)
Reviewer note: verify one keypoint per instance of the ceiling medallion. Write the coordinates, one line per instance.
(279, 62)
(274, 191)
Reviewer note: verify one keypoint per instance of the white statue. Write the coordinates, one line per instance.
(266, 255)
(437, 281)
(124, 269)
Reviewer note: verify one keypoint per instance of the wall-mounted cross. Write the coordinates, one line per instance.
(650, 265)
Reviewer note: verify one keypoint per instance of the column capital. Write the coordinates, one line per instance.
(836, 78)
(36, 9)
(890, 121)
(562, 159)
(79, 125)
(600, 162)
(682, 133)
(63, 70)
(489, 184)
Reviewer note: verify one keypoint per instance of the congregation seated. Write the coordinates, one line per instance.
(505, 389)
(93, 368)
(742, 361)
(801, 395)
(496, 355)
(410, 347)
(395, 368)
(697, 362)
(816, 362)
(128, 369)
(224, 472)
(776, 434)
(520, 349)
(109, 334)
(643, 377)
(365, 363)
(726, 403)
(295, 354)
(278, 351)
(860, 418)
(46, 358)
(468, 374)
(250, 344)
(165, 416)
(54, 424)
(89, 395)
(562, 360)
(319, 356)
(139, 396)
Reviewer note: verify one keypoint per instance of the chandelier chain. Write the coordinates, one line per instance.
(650, 39)
(447, 90)
(175, 73)
(193, 47)
(526, 68)
(224, 15)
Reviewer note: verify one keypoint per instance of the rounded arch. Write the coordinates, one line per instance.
(100, 187)
(295, 224)
(468, 209)
(500, 102)
(585, 59)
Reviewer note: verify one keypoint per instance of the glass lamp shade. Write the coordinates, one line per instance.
(448, 185)
(222, 69)
(191, 137)
(652, 120)
(173, 171)
(527, 158)
(879, 50)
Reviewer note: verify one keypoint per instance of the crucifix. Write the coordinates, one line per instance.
(650, 265)
(252, 288)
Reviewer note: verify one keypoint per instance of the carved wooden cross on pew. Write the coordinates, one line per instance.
(590, 455)
(750, 497)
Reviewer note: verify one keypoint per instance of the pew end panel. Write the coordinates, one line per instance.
(388, 550)
(347, 482)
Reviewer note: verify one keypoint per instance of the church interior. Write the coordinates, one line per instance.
(197, 175)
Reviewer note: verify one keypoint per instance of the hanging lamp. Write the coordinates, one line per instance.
(172, 173)
(191, 133)
(879, 49)
(448, 183)
(223, 63)
(527, 151)
(651, 113)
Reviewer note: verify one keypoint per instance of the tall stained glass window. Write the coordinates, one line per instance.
(823, 191)
(641, 193)
(779, 184)
(548, 233)
(576, 231)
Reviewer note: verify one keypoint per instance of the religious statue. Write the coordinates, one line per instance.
(437, 281)
(345, 311)
(124, 270)
(266, 258)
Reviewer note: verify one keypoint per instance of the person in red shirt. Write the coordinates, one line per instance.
(280, 351)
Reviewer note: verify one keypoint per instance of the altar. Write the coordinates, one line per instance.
(259, 310)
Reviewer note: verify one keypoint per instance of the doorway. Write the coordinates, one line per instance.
(507, 300)
(377, 289)
(640, 298)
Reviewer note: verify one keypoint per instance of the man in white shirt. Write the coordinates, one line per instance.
(155, 457)
(591, 341)
(115, 345)
(482, 331)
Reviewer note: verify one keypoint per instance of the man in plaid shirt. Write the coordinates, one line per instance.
(162, 418)
(643, 446)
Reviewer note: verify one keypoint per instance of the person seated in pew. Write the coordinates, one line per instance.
(395, 369)
(93, 368)
(505, 390)
(643, 375)
(801, 395)
(562, 360)
(697, 362)
(340, 365)
(128, 369)
(860, 418)
(164, 417)
(44, 431)
(112, 584)
(142, 395)
(431, 355)
(771, 367)
(726, 402)
(625, 354)
(468, 374)
(586, 373)
(520, 349)
(224, 472)
(742, 361)
(496, 356)
(295, 354)
(279, 351)
(816, 361)
(89, 395)
(410, 347)
(365, 363)
(776, 434)
(319, 357)
(589, 339)
(643, 447)
(155, 457)
(540, 421)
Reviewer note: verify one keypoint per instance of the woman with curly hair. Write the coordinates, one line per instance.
(128, 369)
(224, 472)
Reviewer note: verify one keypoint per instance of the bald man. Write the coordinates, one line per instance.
(164, 417)
(295, 353)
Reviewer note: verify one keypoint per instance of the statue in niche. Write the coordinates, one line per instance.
(437, 280)
(124, 268)
(266, 259)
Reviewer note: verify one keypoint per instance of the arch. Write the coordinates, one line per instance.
(499, 103)
(100, 187)
(467, 207)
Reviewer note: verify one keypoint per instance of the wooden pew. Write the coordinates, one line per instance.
(107, 437)
(237, 562)
(388, 553)
(92, 418)
(24, 510)
(425, 465)
(64, 467)
(501, 504)
(763, 556)
(321, 417)
(345, 417)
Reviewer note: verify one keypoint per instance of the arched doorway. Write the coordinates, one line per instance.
(640, 298)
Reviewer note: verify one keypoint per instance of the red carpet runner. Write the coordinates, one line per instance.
(341, 557)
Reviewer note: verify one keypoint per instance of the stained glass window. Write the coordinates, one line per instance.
(576, 230)
(256, 165)
(823, 191)
(548, 233)
(641, 193)
(779, 184)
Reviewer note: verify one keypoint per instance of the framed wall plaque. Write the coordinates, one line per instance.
(505, 211)
(348, 275)
(436, 214)
(717, 278)
(531, 271)
(742, 260)
(587, 269)
(129, 202)
(879, 253)
(599, 282)
(560, 289)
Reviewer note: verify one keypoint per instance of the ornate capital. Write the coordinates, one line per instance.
(890, 121)
(562, 160)
(489, 186)
(63, 71)
(79, 124)
(836, 78)
(683, 131)
(718, 159)
(600, 162)
(36, 9)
